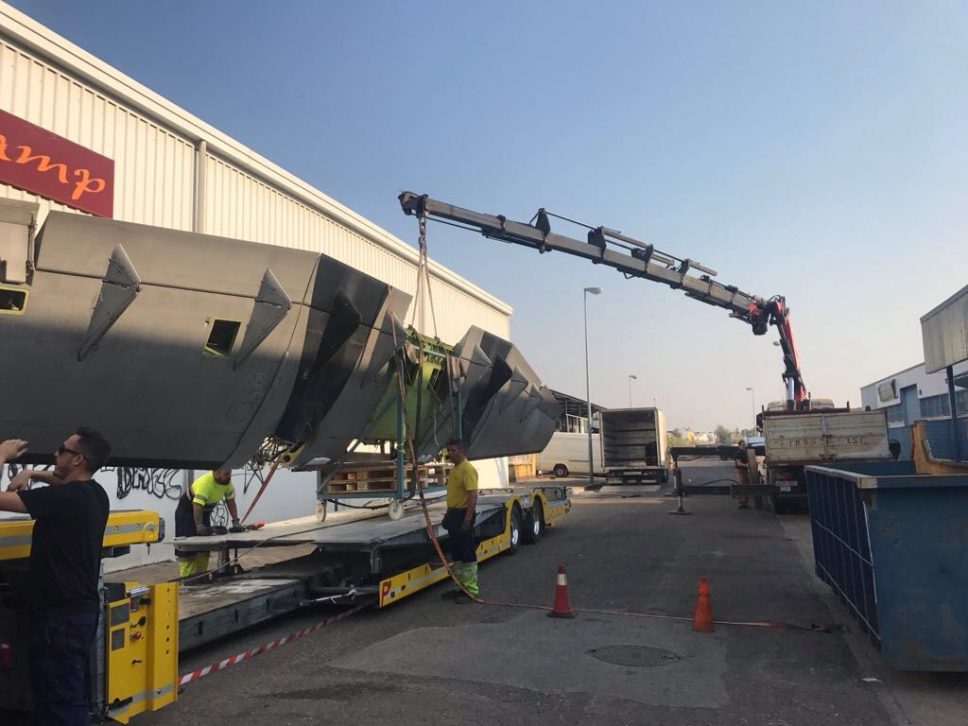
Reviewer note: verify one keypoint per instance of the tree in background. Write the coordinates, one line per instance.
(723, 435)
(675, 437)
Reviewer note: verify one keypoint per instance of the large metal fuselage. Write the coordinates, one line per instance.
(189, 350)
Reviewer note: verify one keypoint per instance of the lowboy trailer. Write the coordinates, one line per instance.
(375, 561)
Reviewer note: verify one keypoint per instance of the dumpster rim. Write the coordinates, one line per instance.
(896, 481)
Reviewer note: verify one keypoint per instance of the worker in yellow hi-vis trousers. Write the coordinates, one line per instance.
(459, 522)
(194, 516)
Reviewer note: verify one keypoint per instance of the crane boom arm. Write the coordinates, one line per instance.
(634, 259)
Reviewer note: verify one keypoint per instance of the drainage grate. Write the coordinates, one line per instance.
(638, 656)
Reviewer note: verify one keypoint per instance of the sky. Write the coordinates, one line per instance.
(811, 150)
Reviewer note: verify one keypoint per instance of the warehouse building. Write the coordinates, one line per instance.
(78, 135)
(913, 394)
(929, 390)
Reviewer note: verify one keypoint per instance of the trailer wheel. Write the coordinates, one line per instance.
(560, 471)
(396, 510)
(534, 524)
(515, 531)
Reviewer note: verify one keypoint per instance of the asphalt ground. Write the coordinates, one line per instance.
(429, 661)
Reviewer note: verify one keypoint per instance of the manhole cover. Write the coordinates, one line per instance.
(638, 656)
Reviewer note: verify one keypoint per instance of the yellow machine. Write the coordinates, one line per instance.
(141, 644)
(134, 661)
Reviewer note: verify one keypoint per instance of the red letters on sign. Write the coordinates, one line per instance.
(35, 160)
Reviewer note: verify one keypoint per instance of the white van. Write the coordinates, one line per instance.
(567, 455)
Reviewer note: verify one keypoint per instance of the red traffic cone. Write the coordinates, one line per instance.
(702, 620)
(562, 608)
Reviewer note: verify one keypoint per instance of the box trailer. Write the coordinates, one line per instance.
(634, 446)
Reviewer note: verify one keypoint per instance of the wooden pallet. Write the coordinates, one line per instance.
(523, 467)
(382, 477)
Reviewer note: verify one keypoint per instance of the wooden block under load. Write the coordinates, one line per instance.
(376, 480)
(383, 478)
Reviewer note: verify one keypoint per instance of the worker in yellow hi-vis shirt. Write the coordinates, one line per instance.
(459, 522)
(194, 516)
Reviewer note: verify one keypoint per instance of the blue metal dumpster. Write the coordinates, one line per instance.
(893, 545)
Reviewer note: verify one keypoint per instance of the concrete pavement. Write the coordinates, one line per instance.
(429, 661)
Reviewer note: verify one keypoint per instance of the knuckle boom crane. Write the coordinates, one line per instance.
(633, 258)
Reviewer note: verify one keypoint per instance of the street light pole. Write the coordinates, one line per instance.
(588, 389)
(752, 391)
(632, 377)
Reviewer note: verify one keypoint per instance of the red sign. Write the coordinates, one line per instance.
(35, 160)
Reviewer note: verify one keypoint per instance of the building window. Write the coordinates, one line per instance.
(961, 402)
(935, 407)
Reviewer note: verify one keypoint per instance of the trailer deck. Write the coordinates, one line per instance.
(367, 559)
(369, 532)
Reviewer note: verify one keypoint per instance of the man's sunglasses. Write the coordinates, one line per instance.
(64, 450)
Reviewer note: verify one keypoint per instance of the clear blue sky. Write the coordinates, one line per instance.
(813, 150)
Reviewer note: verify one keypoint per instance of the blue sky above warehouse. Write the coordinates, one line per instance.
(814, 151)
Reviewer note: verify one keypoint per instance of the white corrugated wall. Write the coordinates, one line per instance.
(160, 151)
(153, 167)
(240, 205)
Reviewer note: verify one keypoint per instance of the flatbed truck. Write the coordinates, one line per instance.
(797, 439)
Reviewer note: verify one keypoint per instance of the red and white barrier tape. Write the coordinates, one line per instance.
(264, 648)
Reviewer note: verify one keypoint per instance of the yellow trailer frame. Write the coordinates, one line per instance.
(398, 586)
(124, 528)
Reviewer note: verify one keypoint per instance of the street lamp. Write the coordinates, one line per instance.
(588, 389)
(632, 377)
(752, 391)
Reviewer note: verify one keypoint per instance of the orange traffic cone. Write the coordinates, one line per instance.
(702, 620)
(562, 608)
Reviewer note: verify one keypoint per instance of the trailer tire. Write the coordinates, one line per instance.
(560, 471)
(534, 524)
(514, 531)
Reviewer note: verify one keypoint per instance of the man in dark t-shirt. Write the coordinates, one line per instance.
(65, 563)
(743, 474)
